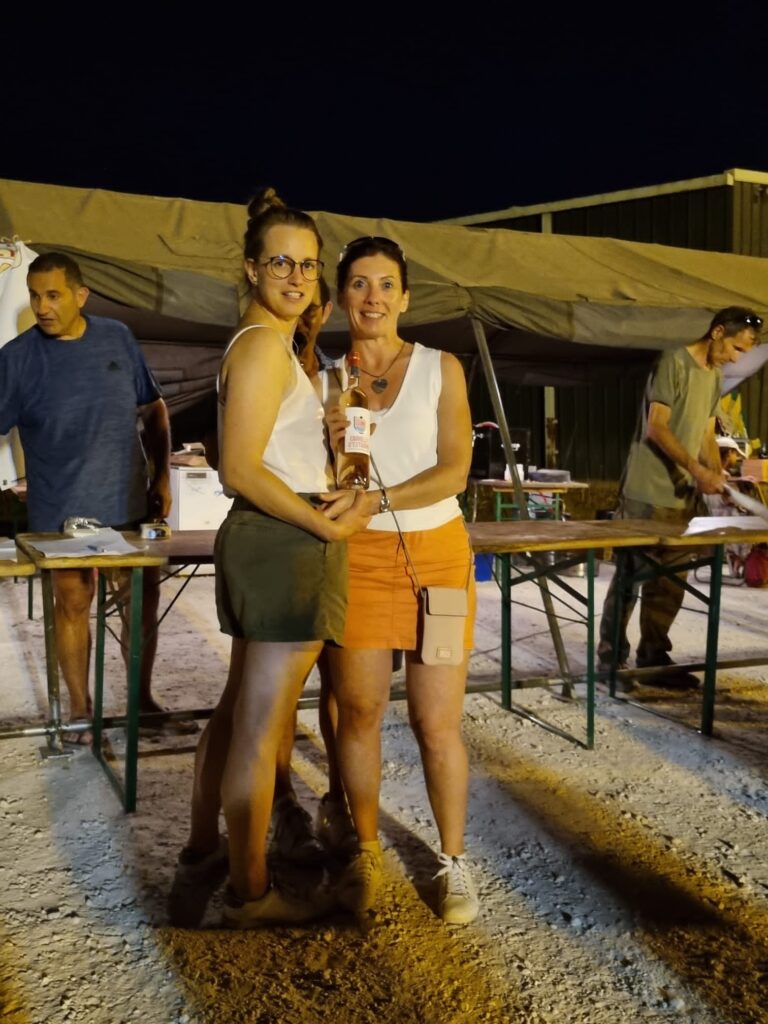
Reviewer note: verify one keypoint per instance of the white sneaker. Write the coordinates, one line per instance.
(275, 907)
(334, 827)
(457, 901)
(293, 838)
(361, 880)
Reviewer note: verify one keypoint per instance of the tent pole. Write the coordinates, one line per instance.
(520, 499)
(500, 415)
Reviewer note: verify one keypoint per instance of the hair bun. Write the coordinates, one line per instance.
(264, 200)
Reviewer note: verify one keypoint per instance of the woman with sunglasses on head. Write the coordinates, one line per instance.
(280, 566)
(421, 451)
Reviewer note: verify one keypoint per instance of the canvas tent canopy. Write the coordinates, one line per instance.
(555, 309)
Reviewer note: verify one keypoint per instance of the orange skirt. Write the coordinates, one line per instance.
(383, 603)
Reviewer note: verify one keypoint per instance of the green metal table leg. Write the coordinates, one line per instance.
(618, 612)
(55, 745)
(134, 681)
(98, 686)
(506, 634)
(31, 598)
(497, 505)
(713, 629)
(591, 649)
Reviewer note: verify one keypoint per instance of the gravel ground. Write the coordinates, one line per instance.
(624, 884)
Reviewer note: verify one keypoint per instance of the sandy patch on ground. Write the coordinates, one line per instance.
(625, 884)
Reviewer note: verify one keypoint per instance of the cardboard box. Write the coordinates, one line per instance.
(758, 468)
(198, 501)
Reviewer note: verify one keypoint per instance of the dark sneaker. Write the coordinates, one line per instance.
(624, 684)
(361, 879)
(293, 837)
(194, 866)
(457, 901)
(675, 678)
(334, 827)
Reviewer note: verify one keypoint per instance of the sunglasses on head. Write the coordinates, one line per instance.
(752, 320)
(380, 240)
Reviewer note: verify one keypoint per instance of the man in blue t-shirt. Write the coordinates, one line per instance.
(76, 387)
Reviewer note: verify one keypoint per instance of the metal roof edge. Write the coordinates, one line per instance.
(689, 185)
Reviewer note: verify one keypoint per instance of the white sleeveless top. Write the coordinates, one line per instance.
(296, 451)
(405, 441)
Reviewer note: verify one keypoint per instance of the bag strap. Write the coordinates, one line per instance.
(407, 553)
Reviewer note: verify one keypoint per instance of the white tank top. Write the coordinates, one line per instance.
(296, 451)
(405, 441)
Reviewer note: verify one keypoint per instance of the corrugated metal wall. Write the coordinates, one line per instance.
(749, 236)
(524, 407)
(693, 220)
(595, 424)
(749, 218)
(722, 219)
(531, 222)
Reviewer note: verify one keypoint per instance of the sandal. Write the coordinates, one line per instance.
(81, 738)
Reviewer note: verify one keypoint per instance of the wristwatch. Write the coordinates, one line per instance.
(384, 504)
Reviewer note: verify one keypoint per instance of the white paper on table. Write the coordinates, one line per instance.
(703, 524)
(101, 542)
(7, 549)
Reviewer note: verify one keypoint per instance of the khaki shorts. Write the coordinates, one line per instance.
(276, 582)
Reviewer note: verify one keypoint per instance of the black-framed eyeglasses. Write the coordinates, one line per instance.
(753, 320)
(283, 266)
(380, 240)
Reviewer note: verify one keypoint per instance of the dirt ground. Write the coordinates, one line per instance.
(624, 884)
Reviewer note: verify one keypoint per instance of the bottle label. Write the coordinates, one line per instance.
(357, 437)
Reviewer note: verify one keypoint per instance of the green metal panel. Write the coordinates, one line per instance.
(693, 220)
(524, 407)
(750, 219)
(531, 222)
(596, 424)
(750, 238)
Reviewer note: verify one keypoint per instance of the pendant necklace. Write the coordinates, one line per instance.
(380, 382)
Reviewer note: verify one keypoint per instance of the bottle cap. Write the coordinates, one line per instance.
(353, 358)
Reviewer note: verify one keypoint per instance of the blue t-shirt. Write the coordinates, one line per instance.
(75, 404)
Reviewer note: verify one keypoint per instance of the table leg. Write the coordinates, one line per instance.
(98, 686)
(55, 745)
(506, 633)
(591, 649)
(618, 613)
(134, 681)
(713, 629)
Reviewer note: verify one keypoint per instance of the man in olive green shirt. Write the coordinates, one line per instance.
(673, 461)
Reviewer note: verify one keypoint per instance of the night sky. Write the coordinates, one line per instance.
(384, 113)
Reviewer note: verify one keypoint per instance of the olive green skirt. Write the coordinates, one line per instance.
(276, 582)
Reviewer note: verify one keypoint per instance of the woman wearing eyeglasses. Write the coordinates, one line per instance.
(280, 563)
(421, 450)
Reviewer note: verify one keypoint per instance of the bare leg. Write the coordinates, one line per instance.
(361, 681)
(211, 757)
(73, 591)
(283, 783)
(435, 704)
(150, 602)
(272, 678)
(328, 715)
